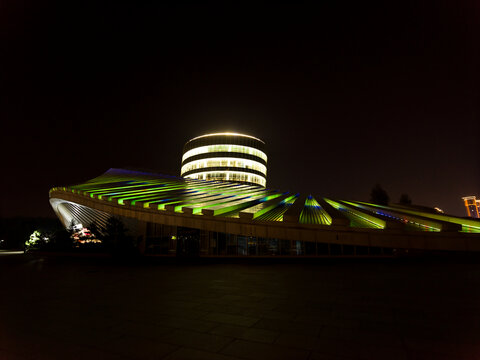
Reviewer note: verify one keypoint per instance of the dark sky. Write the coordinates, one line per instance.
(345, 97)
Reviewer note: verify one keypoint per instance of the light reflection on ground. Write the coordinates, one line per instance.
(11, 252)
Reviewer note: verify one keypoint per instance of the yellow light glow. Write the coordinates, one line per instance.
(229, 176)
(224, 148)
(224, 161)
(226, 133)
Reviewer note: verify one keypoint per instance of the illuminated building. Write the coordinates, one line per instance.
(472, 206)
(221, 207)
(171, 216)
(226, 157)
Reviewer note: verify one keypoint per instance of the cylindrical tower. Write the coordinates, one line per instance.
(225, 156)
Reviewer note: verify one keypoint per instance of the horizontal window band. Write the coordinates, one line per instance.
(220, 169)
(230, 176)
(217, 148)
(231, 162)
(237, 182)
(224, 154)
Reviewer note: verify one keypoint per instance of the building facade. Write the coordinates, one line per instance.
(472, 205)
(174, 216)
(225, 157)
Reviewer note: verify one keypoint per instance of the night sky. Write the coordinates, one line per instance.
(344, 97)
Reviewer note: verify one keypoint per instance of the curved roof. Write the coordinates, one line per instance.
(256, 211)
(226, 134)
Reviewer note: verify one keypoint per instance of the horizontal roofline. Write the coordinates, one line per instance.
(228, 134)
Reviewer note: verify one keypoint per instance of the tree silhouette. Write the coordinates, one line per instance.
(94, 230)
(115, 232)
(116, 238)
(379, 196)
(405, 200)
(62, 239)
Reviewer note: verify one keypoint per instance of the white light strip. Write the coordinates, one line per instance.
(229, 176)
(224, 148)
(61, 211)
(228, 134)
(224, 161)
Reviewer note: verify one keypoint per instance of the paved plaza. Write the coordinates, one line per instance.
(55, 307)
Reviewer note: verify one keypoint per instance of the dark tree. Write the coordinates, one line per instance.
(94, 229)
(62, 239)
(115, 232)
(379, 196)
(116, 238)
(405, 200)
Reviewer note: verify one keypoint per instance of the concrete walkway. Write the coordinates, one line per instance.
(74, 308)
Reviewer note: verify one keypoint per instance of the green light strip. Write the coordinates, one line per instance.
(264, 207)
(200, 200)
(219, 198)
(233, 206)
(313, 213)
(468, 225)
(276, 213)
(358, 218)
(414, 223)
(197, 208)
(149, 194)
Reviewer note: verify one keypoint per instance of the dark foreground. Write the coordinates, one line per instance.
(99, 308)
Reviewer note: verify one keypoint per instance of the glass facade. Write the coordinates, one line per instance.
(224, 162)
(183, 241)
(341, 227)
(228, 176)
(224, 148)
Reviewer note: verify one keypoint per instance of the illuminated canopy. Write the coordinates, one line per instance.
(255, 212)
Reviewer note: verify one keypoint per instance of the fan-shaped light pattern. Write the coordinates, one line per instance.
(313, 213)
(358, 218)
(411, 222)
(468, 225)
(276, 213)
(255, 211)
(137, 190)
(71, 213)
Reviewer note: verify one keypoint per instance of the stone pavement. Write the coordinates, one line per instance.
(70, 308)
